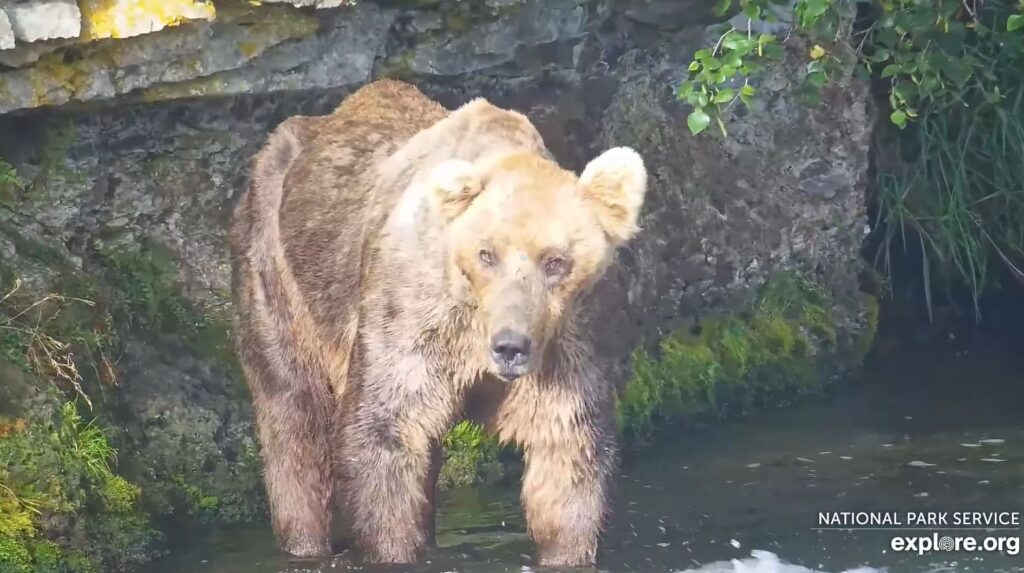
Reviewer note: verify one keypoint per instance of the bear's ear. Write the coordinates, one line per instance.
(615, 183)
(453, 186)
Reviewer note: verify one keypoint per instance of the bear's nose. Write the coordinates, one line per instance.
(510, 348)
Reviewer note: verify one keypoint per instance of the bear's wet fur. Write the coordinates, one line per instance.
(394, 258)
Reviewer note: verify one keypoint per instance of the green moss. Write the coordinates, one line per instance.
(148, 294)
(733, 359)
(197, 483)
(199, 505)
(867, 337)
(136, 289)
(59, 493)
(119, 495)
(470, 456)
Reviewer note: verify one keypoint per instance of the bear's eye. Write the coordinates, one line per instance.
(555, 266)
(487, 257)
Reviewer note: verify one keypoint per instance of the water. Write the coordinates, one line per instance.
(923, 429)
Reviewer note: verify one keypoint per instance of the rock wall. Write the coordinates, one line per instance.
(143, 143)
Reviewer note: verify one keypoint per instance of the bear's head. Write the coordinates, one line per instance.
(526, 237)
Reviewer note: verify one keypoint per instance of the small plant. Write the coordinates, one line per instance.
(468, 453)
(31, 336)
(9, 176)
(86, 443)
(715, 71)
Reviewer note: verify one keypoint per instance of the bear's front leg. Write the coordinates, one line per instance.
(386, 464)
(565, 495)
(568, 434)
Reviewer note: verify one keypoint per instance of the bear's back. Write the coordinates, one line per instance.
(330, 211)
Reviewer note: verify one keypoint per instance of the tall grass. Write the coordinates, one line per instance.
(957, 188)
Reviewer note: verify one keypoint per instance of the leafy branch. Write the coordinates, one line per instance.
(925, 50)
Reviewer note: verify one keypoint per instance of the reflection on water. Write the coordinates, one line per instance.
(924, 429)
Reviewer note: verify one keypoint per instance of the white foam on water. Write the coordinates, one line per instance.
(765, 562)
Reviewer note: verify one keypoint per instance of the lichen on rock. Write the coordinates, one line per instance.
(127, 18)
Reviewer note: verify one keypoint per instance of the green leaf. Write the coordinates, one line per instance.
(899, 118)
(862, 72)
(747, 90)
(817, 79)
(890, 70)
(816, 8)
(725, 95)
(929, 84)
(905, 91)
(733, 60)
(880, 55)
(1014, 22)
(722, 6)
(698, 121)
(774, 51)
(731, 41)
(959, 70)
(694, 66)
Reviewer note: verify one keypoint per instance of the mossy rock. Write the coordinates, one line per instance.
(734, 360)
(62, 506)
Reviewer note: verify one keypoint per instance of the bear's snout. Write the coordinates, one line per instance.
(510, 351)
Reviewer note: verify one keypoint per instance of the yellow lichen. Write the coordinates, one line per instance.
(209, 85)
(264, 28)
(249, 49)
(127, 18)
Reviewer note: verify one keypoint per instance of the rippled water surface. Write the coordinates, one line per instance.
(929, 429)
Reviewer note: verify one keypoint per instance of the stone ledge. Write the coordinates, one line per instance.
(200, 48)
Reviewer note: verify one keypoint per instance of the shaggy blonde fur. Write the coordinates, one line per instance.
(377, 252)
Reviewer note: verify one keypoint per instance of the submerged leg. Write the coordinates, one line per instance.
(566, 427)
(384, 488)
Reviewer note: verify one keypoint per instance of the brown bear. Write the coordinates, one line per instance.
(395, 264)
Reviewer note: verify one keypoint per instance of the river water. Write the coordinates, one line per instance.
(937, 427)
